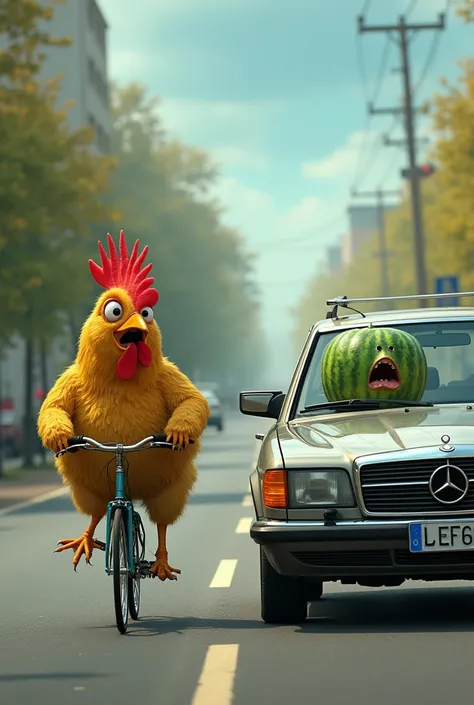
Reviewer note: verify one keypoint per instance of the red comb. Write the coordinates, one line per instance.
(125, 271)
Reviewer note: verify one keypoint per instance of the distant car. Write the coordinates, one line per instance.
(217, 417)
(11, 435)
(352, 492)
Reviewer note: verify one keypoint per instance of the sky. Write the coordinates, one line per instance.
(276, 92)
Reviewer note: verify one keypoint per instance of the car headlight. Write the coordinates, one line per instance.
(321, 488)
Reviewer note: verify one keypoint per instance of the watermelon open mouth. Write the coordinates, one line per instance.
(384, 374)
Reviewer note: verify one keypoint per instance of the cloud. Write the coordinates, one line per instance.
(288, 244)
(341, 161)
(305, 216)
(278, 235)
(229, 156)
(213, 122)
(364, 158)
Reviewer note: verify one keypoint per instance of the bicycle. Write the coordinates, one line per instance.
(125, 542)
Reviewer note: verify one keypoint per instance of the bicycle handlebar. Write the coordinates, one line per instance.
(156, 440)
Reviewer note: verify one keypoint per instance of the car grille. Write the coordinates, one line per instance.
(336, 559)
(403, 487)
(383, 559)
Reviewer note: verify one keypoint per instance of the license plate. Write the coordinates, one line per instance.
(442, 537)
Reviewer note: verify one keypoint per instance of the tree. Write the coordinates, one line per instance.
(207, 310)
(50, 182)
(51, 188)
(465, 9)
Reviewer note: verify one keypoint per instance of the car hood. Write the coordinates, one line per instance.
(340, 438)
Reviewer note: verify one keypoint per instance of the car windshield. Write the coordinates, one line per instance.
(449, 354)
(210, 396)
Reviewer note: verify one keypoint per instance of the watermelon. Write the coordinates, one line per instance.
(374, 363)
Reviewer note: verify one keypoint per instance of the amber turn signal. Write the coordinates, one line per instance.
(275, 489)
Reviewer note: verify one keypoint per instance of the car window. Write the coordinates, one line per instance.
(210, 396)
(451, 365)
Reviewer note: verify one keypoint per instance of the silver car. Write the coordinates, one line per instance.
(217, 415)
(350, 492)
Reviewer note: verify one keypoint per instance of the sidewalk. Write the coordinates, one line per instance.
(18, 485)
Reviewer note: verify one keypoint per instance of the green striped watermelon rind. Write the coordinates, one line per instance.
(349, 357)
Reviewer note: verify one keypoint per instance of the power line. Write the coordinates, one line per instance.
(410, 8)
(382, 70)
(361, 65)
(310, 236)
(364, 148)
(431, 55)
(383, 254)
(402, 29)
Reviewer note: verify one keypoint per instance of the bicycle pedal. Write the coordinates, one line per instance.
(100, 544)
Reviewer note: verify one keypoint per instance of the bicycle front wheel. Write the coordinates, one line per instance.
(138, 542)
(119, 546)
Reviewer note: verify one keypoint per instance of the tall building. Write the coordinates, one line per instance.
(83, 66)
(334, 258)
(363, 222)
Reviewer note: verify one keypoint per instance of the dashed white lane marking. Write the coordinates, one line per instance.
(247, 501)
(216, 682)
(35, 500)
(224, 573)
(243, 527)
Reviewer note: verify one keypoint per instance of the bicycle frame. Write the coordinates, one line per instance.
(122, 501)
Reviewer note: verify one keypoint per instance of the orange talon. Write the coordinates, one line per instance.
(84, 545)
(162, 569)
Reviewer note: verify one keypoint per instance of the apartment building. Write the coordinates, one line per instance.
(334, 258)
(83, 66)
(363, 222)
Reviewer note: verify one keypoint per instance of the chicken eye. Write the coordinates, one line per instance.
(147, 314)
(113, 311)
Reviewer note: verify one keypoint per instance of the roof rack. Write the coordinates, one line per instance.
(344, 301)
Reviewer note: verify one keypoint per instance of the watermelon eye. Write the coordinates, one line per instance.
(379, 348)
(391, 348)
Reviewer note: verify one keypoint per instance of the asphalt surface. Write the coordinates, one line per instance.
(202, 645)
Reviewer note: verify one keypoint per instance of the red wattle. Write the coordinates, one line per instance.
(127, 365)
(144, 354)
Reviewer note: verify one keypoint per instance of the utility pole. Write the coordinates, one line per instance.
(383, 254)
(402, 29)
(2, 444)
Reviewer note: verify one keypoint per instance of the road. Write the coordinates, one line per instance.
(200, 640)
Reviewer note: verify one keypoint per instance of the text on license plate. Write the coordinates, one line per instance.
(442, 537)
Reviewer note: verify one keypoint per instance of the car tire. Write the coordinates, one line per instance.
(9, 450)
(283, 598)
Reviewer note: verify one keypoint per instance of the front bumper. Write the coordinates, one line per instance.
(355, 549)
(215, 419)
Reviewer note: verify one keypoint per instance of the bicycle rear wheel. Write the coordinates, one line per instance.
(119, 546)
(134, 583)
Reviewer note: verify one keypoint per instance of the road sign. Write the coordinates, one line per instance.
(444, 285)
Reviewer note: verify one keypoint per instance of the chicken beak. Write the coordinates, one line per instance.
(135, 322)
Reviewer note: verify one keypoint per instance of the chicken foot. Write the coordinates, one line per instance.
(85, 544)
(161, 568)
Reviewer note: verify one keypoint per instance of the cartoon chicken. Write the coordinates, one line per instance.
(120, 388)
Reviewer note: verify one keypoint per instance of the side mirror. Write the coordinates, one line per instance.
(263, 404)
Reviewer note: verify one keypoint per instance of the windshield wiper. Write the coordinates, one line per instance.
(362, 404)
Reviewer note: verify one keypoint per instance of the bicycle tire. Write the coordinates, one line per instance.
(134, 584)
(119, 549)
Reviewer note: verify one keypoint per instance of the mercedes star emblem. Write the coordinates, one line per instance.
(449, 484)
